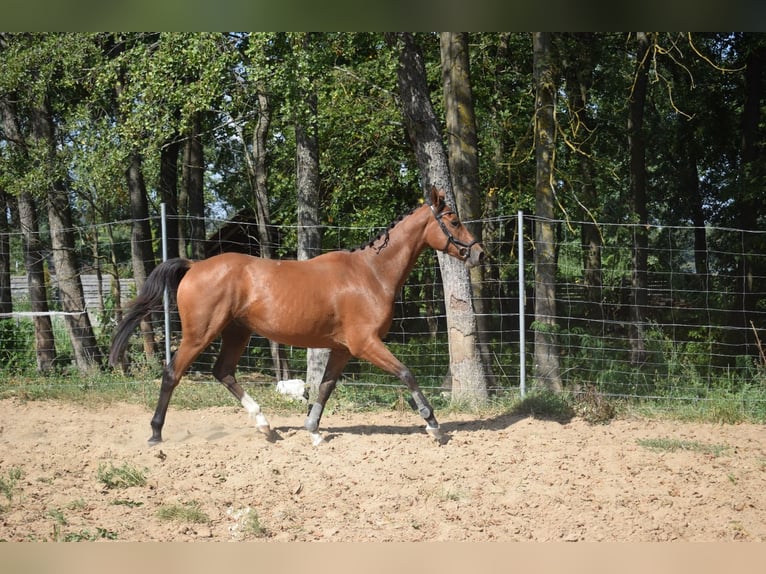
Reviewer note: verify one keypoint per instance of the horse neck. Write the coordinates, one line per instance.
(393, 256)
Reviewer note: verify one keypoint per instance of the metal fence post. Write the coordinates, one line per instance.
(166, 300)
(522, 297)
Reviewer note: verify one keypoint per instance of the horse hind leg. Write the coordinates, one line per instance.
(171, 375)
(234, 339)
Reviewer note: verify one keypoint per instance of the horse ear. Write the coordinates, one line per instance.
(437, 198)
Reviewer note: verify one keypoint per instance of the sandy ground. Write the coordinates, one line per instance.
(377, 477)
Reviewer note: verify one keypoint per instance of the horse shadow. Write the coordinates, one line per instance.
(497, 422)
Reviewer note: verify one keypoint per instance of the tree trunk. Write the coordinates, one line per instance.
(309, 232)
(194, 171)
(6, 301)
(579, 76)
(637, 146)
(750, 207)
(87, 354)
(547, 369)
(45, 347)
(141, 252)
(463, 155)
(466, 367)
(258, 175)
(168, 188)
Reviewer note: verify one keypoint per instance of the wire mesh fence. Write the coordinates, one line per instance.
(692, 325)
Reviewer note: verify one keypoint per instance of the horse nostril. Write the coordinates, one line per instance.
(482, 255)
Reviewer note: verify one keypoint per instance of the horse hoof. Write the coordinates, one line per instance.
(435, 433)
(265, 429)
(316, 439)
(154, 441)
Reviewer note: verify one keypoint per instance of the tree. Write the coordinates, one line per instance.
(45, 347)
(547, 373)
(466, 367)
(578, 63)
(87, 353)
(637, 147)
(307, 177)
(463, 156)
(256, 161)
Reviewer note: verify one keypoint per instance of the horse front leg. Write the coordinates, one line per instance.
(335, 364)
(379, 355)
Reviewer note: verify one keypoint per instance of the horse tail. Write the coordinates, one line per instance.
(167, 274)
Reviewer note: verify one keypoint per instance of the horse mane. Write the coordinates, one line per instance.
(383, 234)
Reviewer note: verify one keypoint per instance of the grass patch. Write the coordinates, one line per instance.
(368, 393)
(252, 525)
(189, 512)
(88, 536)
(126, 502)
(673, 445)
(123, 476)
(9, 483)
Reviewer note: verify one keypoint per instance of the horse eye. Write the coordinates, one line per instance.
(455, 223)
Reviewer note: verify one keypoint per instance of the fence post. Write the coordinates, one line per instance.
(165, 299)
(522, 297)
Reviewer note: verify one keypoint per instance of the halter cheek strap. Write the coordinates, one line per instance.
(451, 238)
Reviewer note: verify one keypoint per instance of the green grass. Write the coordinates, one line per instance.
(673, 445)
(9, 483)
(728, 406)
(252, 525)
(187, 512)
(123, 476)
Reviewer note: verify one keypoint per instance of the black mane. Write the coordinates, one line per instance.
(382, 235)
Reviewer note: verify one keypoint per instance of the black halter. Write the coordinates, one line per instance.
(463, 248)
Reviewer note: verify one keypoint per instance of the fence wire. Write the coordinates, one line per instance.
(698, 314)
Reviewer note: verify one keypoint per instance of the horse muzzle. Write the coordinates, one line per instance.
(473, 256)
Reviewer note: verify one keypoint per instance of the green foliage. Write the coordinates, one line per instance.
(112, 94)
(16, 346)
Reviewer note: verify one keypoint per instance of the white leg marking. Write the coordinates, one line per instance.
(316, 438)
(434, 432)
(254, 410)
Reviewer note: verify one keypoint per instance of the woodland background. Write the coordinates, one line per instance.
(608, 141)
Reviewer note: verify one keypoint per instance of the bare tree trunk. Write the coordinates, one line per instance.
(579, 76)
(141, 252)
(45, 347)
(168, 188)
(750, 202)
(258, 175)
(86, 351)
(637, 145)
(309, 232)
(194, 171)
(6, 301)
(547, 369)
(466, 367)
(464, 165)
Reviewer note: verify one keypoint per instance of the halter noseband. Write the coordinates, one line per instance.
(463, 248)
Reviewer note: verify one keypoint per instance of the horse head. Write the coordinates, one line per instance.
(460, 242)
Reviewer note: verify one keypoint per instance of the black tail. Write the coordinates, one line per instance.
(149, 300)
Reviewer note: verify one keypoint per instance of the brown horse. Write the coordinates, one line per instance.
(342, 300)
